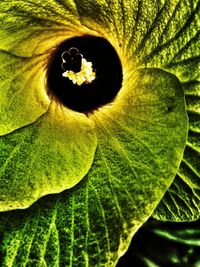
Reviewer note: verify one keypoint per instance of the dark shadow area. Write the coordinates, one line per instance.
(88, 96)
(164, 244)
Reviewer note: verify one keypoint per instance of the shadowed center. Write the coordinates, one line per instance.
(84, 73)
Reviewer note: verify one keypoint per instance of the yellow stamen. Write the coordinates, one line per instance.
(85, 75)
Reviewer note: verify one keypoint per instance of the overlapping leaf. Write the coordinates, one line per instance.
(49, 156)
(180, 55)
(92, 224)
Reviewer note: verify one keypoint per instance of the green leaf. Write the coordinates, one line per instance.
(49, 156)
(85, 226)
(176, 49)
(182, 200)
(22, 88)
(141, 138)
(176, 28)
(33, 28)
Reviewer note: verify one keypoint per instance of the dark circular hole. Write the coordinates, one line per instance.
(106, 65)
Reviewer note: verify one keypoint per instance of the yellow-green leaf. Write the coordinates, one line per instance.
(49, 156)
